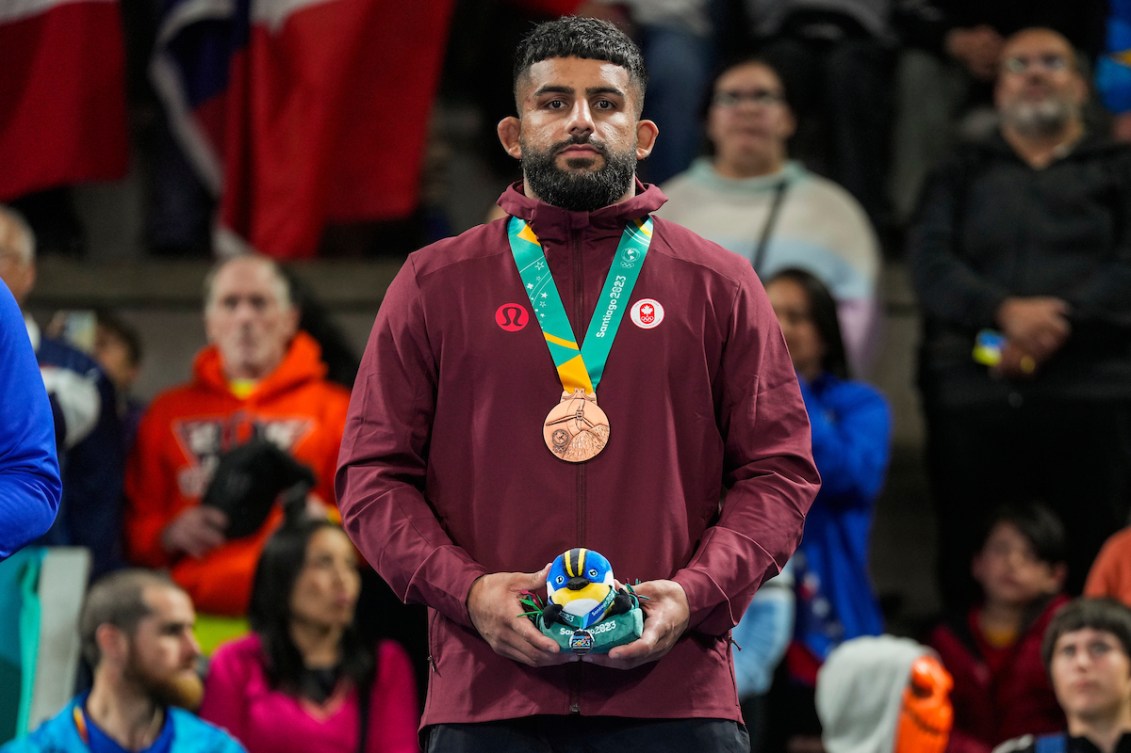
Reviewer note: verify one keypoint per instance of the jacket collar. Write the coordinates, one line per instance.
(301, 363)
(554, 223)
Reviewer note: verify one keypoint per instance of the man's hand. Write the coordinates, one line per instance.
(1037, 326)
(666, 615)
(1015, 363)
(196, 531)
(493, 603)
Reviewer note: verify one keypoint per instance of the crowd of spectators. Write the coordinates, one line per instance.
(1019, 248)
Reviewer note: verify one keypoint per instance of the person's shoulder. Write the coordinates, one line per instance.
(479, 242)
(688, 246)
(52, 736)
(63, 355)
(191, 734)
(249, 648)
(1023, 744)
(830, 197)
(174, 400)
(1121, 539)
(852, 389)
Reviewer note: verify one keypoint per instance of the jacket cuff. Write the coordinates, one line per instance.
(443, 581)
(709, 605)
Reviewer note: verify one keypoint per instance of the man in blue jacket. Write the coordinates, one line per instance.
(88, 434)
(29, 470)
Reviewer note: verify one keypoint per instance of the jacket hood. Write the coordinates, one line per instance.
(551, 221)
(301, 363)
(860, 691)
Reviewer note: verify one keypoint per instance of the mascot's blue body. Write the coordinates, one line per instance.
(579, 589)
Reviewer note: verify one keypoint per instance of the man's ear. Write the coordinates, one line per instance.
(791, 123)
(646, 133)
(1059, 572)
(509, 130)
(294, 316)
(112, 643)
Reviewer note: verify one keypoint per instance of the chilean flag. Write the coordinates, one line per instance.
(62, 94)
(299, 113)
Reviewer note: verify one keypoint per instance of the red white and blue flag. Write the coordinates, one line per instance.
(300, 113)
(62, 94)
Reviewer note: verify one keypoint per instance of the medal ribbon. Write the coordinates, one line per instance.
(579, 368)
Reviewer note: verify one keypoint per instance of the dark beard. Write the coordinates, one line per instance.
(580, 191)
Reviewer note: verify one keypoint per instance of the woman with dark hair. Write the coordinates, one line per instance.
(304, 681)
(851, 430)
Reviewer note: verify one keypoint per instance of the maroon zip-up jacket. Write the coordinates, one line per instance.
(444, 475)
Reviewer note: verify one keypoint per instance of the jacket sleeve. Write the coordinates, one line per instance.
(29, 469)
(152, 500)
(1105, 296)
(769, 475)
(382, 464)
(851, 441)
(948, 288)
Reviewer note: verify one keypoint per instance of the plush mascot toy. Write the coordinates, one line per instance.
(584, 611)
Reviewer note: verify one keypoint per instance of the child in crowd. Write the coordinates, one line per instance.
(994, 651)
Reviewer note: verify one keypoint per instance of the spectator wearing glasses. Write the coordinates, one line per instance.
(749, 197)
(1022, 246)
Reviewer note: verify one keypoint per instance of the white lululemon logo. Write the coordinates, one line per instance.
(647, 313)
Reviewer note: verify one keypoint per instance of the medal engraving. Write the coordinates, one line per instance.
(576, 429)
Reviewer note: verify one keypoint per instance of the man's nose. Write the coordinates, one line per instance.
(581, 118)
(192, 646)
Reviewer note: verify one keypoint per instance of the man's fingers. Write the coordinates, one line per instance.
(213, 516)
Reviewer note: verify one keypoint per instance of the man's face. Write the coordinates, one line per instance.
(1091, 675)
(578, 134)
(748, 114)
(248, 319)
(1039, 91)
(163, 651)
(15, 270)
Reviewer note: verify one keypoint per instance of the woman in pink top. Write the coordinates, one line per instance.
(304, 682)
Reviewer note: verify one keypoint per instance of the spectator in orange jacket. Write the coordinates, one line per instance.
(258, 387)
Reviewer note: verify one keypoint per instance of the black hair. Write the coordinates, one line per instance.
(728, 66)
(1106, 615)
(588, 38)
(269, 612)
(123, 331)
(1037, 522)
(822, 310)
(117, 599)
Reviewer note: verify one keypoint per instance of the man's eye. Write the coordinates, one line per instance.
(555, 104)
(604, 104)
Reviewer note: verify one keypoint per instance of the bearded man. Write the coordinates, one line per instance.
(1021, 257)
(475, 450)
(137, 633)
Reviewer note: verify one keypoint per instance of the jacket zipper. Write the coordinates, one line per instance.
(579, 316)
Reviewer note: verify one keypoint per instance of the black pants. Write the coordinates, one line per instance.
(580, 734)
(1075, 456)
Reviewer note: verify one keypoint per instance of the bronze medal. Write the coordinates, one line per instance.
(576, 429)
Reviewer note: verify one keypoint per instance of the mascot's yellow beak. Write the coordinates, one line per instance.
(593, 591)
